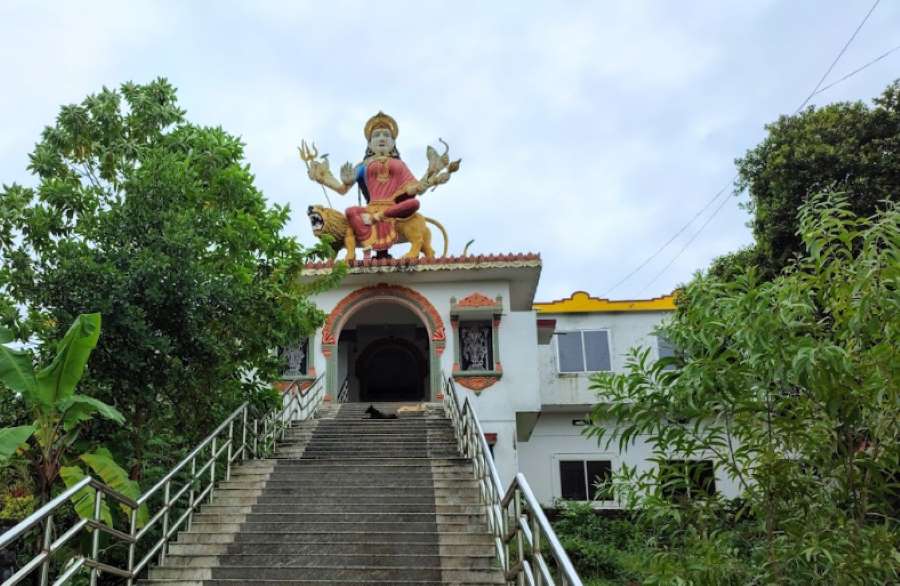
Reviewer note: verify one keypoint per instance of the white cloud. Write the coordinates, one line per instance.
(589, 132)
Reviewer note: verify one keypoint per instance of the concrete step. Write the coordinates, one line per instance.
(371, 463)
(379, 439)
(338, 517)
(305, 507)
(354, 422)
(472, 496)
(242, 582)
(344, 494)
(349, 574)
(338, 526)
(306, 467)
(448, 537)
(483, 560)
(332, 548)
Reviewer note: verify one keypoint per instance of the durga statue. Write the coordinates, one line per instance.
(391, 195)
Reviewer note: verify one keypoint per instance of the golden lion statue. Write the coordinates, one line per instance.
(413, 229)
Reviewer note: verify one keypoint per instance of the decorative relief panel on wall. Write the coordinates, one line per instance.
(475, 342)
(476, 326)
(296, 357)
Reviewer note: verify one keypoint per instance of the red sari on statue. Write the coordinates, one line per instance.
(387, 183)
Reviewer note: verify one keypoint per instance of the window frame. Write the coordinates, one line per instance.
(584, 458)
(609, 346)
(695, 491)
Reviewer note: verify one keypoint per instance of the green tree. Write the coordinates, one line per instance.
(792, 386)
(848, 147)
(58, 415)
(156, 223)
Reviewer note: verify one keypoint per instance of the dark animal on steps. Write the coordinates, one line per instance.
(376, 414)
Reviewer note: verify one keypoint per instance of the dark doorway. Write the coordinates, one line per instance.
(392, 369)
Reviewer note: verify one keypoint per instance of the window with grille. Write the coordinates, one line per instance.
(683, 479)
(583, 480)
(583, 351)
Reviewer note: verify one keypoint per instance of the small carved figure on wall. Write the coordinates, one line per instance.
(475, 348)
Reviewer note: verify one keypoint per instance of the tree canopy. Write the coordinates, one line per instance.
(155, 223)
(847, 146)
(791, 386)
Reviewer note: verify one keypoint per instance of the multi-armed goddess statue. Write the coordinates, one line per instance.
(390, 190)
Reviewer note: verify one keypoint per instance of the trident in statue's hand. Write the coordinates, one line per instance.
(317, 170)
(309, 154)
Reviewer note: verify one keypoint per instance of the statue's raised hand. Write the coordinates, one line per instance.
(348, 174)
(318, 170)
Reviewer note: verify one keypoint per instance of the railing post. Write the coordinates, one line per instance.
(244, 435)
(212, 468)
(229, 452)
(520, 539)
(192, 492)
(536, 550)
(167, 491)
(48, 541)
(504, 528)
(132, 546)
(95, 544)
(255, 439)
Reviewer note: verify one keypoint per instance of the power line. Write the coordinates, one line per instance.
(855, 71)
(816, 90)
(686, 245)
(670, 240)
(838, 58)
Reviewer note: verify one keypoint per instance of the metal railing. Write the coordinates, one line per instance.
(170, 503)
(344, 393)
(517, 522)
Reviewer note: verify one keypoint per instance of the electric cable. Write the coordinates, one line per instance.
(838, 58)
(672, 239)
(855, 71)
(816, 90)
(686, 245)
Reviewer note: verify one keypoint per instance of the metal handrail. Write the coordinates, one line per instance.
(515, 517)
(255, 437)
(344, 393)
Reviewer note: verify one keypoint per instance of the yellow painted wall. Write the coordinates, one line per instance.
(581, 302)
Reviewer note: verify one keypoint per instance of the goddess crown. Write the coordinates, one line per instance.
(381, 120)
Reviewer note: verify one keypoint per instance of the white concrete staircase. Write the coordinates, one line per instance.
(345, 500)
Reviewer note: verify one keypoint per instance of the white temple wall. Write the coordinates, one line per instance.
(556, 438)
(518, 387)
(626, 330)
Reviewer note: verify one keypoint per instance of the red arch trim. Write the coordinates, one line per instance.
(361, 297)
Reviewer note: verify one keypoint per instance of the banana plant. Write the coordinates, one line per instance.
(58, 413)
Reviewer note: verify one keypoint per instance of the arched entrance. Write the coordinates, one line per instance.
(392, 369)
(386, 342)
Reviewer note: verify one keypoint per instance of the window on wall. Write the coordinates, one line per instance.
(583, 480)
(296, 358)
(665, 349)
(476, 345)
(583, 351)
(683, 479)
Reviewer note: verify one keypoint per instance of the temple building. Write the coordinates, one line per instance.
(397, 327)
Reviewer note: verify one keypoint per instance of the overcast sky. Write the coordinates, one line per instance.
(590, 132)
